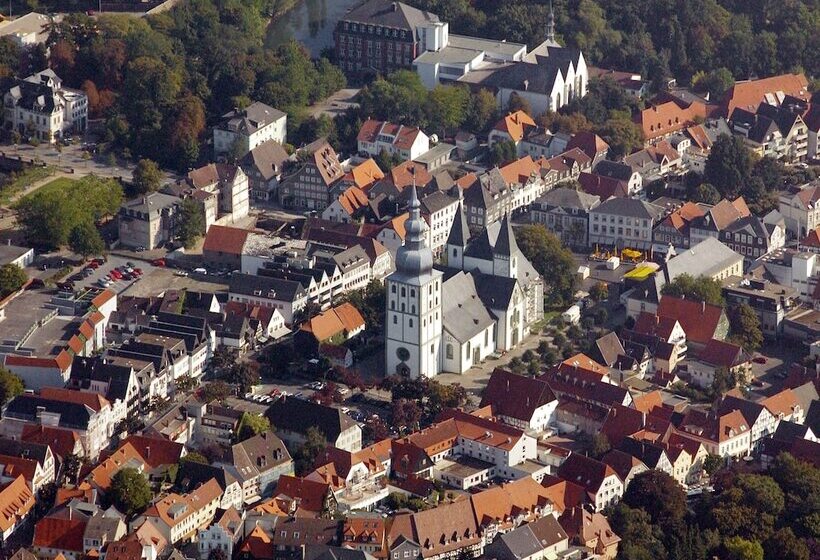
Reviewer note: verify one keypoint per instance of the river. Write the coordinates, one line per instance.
(310, 22)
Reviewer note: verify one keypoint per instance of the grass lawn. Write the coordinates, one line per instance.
(60, 183)
(21, 180)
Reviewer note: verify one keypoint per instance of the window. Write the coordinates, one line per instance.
(411, 323)
(403, 292)
(395, 320)
(449, 350)
(393, 289)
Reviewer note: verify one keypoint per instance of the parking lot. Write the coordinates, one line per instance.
(105, 269)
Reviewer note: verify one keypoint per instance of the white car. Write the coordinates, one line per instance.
(180, 273)
(342, 390)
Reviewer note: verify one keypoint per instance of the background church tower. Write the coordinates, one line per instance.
(413, 304)
(506, 253)
(458, 237)
(551, 26)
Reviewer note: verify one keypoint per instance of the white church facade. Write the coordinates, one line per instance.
(548, 77)
(448, 318)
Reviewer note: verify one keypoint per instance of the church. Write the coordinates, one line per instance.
(449, 317)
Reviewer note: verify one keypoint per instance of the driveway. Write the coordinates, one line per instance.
(336, 104)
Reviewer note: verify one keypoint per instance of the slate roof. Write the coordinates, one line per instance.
(271, 288)
(629, 207)
(528, 540)
(563, 197)
(460, 231)
(267, 159)
(463, 312)
(250, 119)
(388, 13)
(298, 415)
(72, 415)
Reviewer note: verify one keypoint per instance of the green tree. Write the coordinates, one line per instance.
(71, 467)
(130, 492)
(194, 457)
(701, 288)
(784, 545)
(712, 463)
(518, 103)
(447, 107)
(729, 165)
(659, 495)
(12, 278)
(10, 386)
(741, 549)
(622, 135)
(744, 327)
(86, 240)
(503, 152)
(706, 193)
(251, 425)
(191, 223)
(715, 83)
(147, 176)
(244, 374)
(640, 538)
(306, 455)
(483, 111)
(216, 391)
(552, 260)
(599, 291)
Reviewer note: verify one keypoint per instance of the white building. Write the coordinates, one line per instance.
(413, 316)
(40, 107)
(242, 130)
(405, 142)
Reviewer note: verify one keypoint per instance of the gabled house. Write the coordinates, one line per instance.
(309, 187)
(524, 402)
(403, 142)
(590, 530)
(602, 484)
(759, 418)
(716, 356)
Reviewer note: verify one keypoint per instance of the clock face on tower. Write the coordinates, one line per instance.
(402, 353)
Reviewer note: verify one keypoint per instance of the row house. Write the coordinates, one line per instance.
(17, 500)
(39, 461)
(728, 435)
(264, 166)
(257, 464)
(673, 230)
(665, 119)
(622, 172)
(623, 223)
(287, 296)
(718, 219)
(602, 484)
(293, 417)
(309, 187)
(716, 356)
(358, 479)
(773, 131)
(180, 517)
(565, 212)
(86, 414)
(762, 423)
(654, 162)
(190, 475)
(224, 534)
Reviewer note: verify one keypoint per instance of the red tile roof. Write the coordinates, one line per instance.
(602, 186)
(515, 125)
(585, 471)
(366, 173)
(60, 533)
(722, 354)
(352, 199)
(666, 118)
(515, 396)
(699, 320)
(62, 442)
(749, 95)
(310, 494)
(94, 401)
(16, 500)
(226, 240)
(404, 136)
(589, 143)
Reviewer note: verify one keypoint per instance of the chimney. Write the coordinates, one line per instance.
(526, 85)
(148, 452)
(703, 307)
(394, 6)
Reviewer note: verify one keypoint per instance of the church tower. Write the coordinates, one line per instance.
(551, 29)
(413, 304)
(506, 253)
(458, 237)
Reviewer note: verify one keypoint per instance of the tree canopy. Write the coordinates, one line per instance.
(85, 239)
(191, 223)
(551, 259)
(701, 288)
(130, 492)
(251, 425)
(10, 386)
(147, 176)
(49, 215)
(12, 278)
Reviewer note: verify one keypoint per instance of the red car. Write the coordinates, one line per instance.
(760, 360)
(94, 264)
(158, 262)
(116, 274)
(138, 271)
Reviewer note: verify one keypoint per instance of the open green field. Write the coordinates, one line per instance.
(22, 180)
(58, 184)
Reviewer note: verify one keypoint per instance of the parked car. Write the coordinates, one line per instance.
(158, 262)
(760, 360)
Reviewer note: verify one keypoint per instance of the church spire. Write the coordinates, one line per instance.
(414, 258)
(551, 25)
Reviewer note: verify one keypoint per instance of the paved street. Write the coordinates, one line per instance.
(336, 104)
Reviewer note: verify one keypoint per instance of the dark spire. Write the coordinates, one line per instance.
(551, 25)
(459, 231)
(505, 243)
